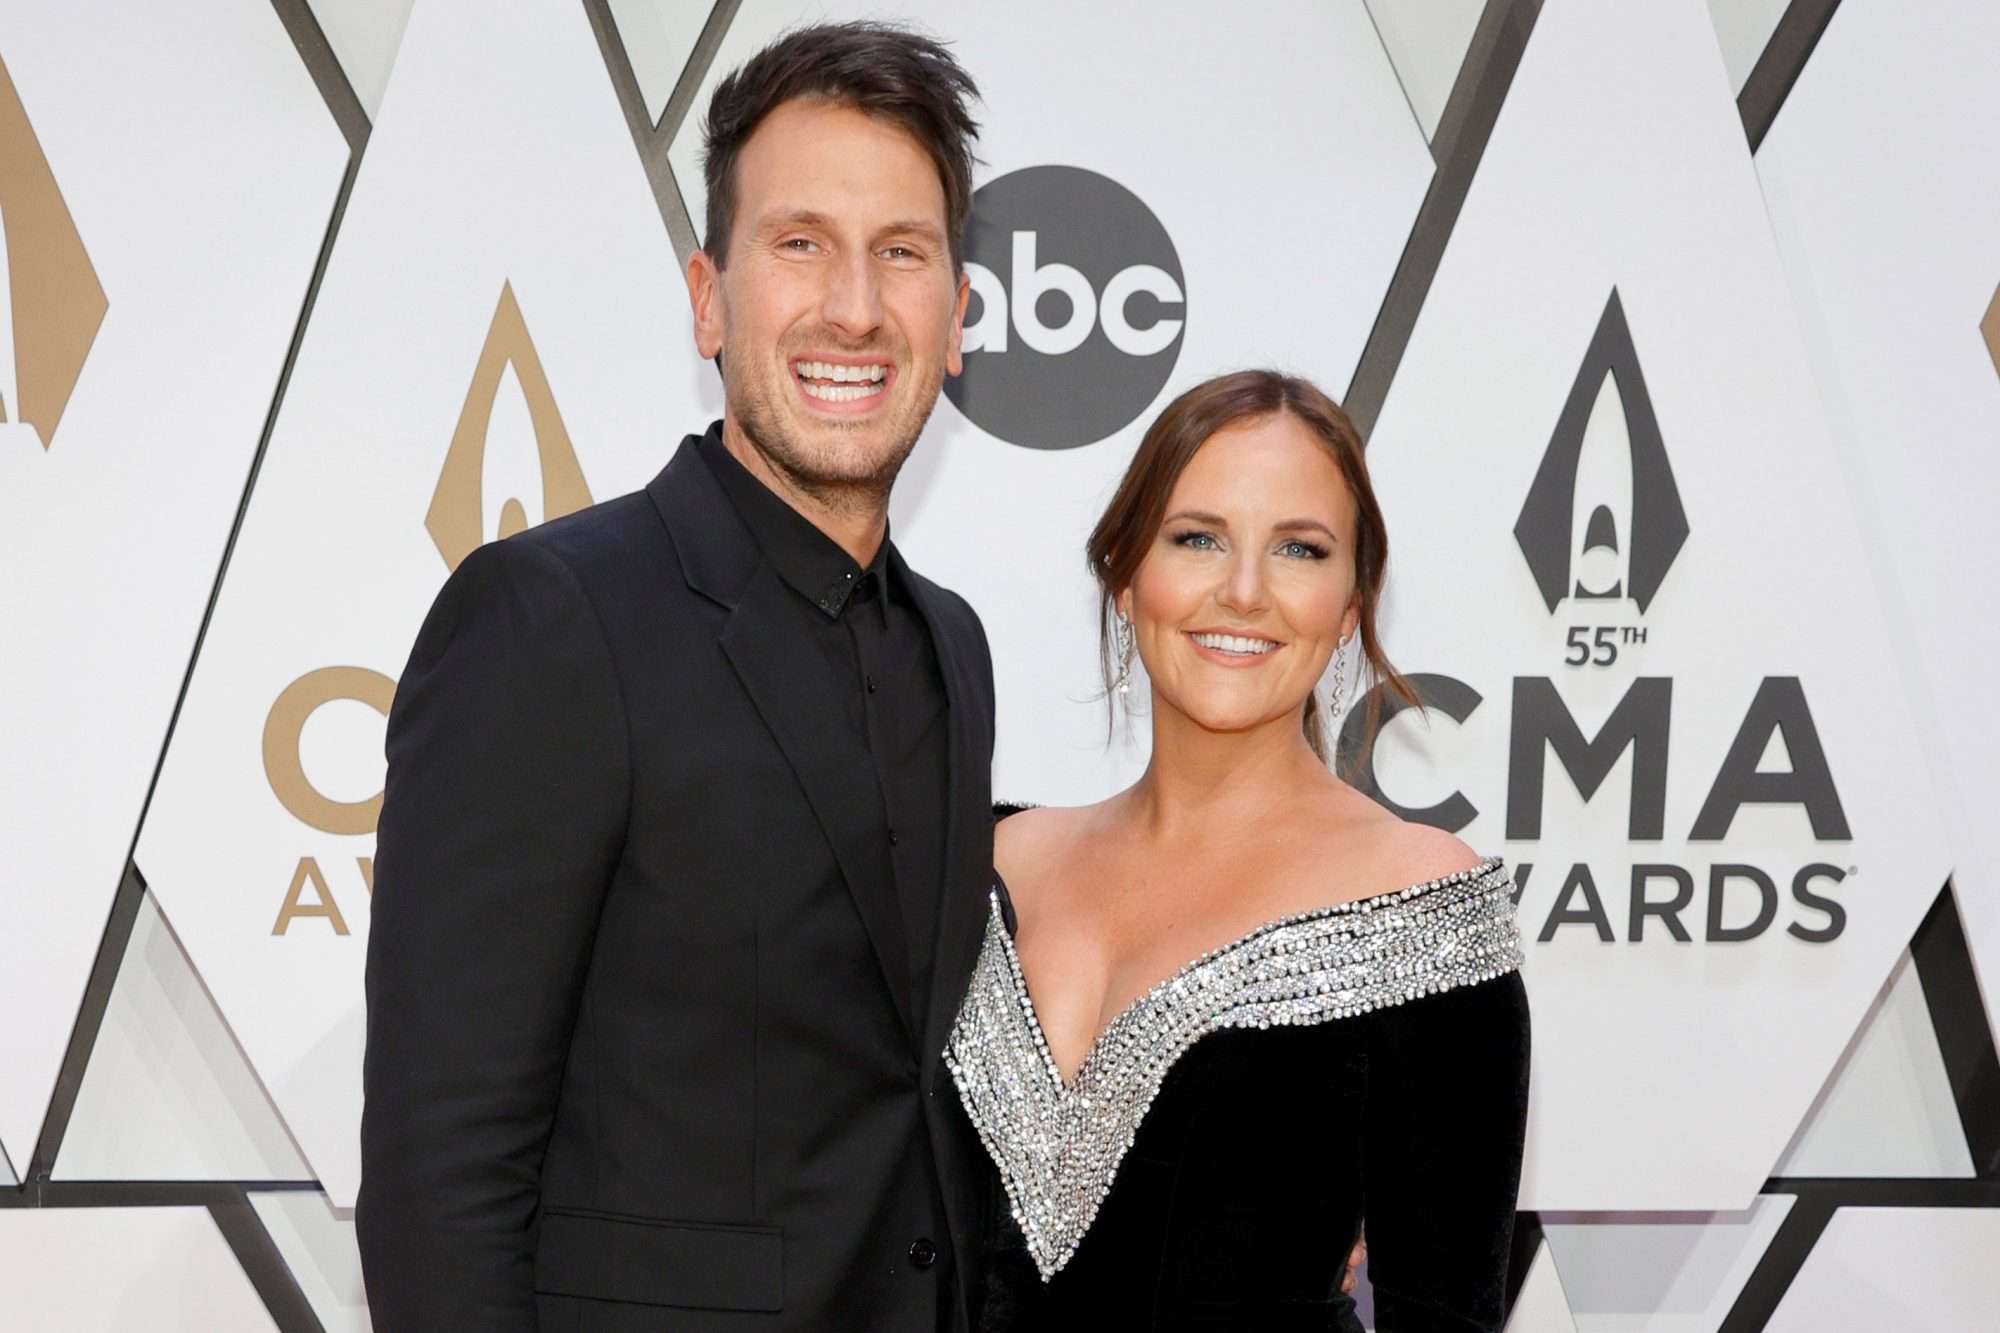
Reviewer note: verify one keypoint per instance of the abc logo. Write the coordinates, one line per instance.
(1077, 309)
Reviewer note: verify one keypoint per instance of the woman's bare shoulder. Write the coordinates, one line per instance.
(1031, 846)
(1384, 852)
(1033, 832)
(1413, 853)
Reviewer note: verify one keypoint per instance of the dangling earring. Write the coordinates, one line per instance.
(1124, 635)
(1339, 699)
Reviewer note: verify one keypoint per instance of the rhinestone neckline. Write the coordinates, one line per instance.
(1246, 940)
(1058, 1144)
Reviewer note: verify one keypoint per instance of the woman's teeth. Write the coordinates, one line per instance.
(1234, 643)
(835, 383)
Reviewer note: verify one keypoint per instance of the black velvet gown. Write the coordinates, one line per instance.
(1213, 1159)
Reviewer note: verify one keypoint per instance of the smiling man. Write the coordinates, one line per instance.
(685, 847)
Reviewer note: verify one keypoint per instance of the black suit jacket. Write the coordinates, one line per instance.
(639, 1045)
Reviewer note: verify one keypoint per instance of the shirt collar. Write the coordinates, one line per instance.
(810, 561)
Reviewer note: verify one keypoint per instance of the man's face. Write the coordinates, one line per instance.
(839, 313)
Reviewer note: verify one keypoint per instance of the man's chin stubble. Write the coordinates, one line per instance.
(841, 491)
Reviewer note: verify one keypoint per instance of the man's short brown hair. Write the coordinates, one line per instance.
(878, 68)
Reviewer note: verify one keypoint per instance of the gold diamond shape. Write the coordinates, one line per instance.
(1990, 327)
(454, 520)
(49, 293)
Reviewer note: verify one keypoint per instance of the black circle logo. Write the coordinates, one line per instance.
(1077, 311)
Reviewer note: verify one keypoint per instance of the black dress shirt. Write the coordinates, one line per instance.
(863, 625)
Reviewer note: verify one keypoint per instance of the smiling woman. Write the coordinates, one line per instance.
(1224, 1015)
(1255, 418)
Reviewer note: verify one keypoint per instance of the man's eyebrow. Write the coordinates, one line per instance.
(795, 217)
(920, 227)
(806, 217)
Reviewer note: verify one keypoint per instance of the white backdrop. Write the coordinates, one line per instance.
(1795, 333)
(202, 244)
(518, 185)
(1705, 1051)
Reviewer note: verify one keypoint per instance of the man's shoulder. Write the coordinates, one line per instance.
(619, 542)
(596, 531)
(613, 556)
(605, 537)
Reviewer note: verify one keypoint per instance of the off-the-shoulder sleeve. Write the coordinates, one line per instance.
(1447, 1115)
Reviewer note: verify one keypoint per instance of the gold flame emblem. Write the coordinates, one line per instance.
(50, 301)
(455, 520)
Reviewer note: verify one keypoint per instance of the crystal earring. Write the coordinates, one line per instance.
(1124, 635)
(1339, 698)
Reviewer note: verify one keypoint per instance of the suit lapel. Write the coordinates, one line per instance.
(799, 703)
(967, 857)
(803, 707)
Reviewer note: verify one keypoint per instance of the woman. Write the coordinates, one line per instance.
(1193, 1144)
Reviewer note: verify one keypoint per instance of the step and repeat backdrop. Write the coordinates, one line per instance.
(1675, 331)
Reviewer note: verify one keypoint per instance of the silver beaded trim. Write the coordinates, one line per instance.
(1058, 1146)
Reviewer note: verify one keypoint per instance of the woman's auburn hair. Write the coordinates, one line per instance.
(1124, 533)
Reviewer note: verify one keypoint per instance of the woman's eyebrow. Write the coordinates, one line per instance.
(1198, 516)
(1305, 525)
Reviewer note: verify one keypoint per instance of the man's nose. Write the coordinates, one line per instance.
(853, 298)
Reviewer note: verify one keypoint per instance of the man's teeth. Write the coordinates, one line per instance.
(834, 383)
(1234, 643)
(839, 393)
(827, 370)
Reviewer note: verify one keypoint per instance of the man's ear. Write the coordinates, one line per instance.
(954, 356)
(704, 280)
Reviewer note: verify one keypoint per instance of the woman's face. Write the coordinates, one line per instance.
(1248, 586)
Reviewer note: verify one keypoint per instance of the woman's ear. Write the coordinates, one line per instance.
(1123, 601)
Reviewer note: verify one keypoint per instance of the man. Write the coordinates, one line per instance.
(686, 841)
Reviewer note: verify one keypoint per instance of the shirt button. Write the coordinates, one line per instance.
(892, 837)
(922, 1253)
(871, 684)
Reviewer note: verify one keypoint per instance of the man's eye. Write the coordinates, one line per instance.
(797, 245)
(899, 252)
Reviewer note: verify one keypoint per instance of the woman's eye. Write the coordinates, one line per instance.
(1196, 541)
(1301, 550)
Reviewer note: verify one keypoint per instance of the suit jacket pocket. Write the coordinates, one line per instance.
(695, 1265)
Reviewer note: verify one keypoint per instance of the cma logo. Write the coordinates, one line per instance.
(509, 416)
(1077, 312)
(1740, 901)
(50, 301)
(1602, 524)
(1605, 459)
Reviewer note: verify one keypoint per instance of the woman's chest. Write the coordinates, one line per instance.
(1089, 956)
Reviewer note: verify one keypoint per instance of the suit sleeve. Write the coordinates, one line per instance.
(502, 821)
(1447, 1117)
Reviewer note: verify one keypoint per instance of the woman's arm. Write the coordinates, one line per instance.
(1447, 1115)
